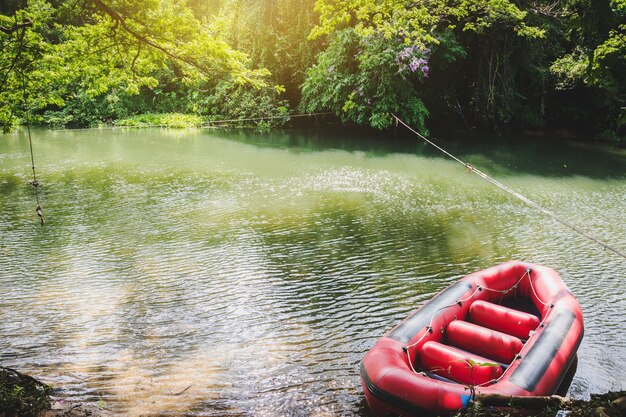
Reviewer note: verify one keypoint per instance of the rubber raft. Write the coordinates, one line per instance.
(511, 330)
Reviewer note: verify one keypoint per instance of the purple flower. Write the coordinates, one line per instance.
(412, 58)
(331, 69)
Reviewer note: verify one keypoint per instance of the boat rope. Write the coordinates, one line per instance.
(513, 287)
(34, 182)
(429, 328)
(514, 193)
(531, 334)
(532, 287)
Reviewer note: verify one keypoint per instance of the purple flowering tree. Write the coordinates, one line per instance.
(367, 79)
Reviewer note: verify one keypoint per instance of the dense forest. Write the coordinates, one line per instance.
(471, 64)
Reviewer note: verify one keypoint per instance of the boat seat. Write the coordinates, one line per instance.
(503, 319)
(486, 342)
(458, 365)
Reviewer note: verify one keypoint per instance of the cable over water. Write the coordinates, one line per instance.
(514, 193)
(252, 119)
(212, 123)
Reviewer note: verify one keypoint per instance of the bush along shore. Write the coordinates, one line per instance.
(183, 121)
(485, 66)
(24, 396)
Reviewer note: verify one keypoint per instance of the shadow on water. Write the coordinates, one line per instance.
(501, 155)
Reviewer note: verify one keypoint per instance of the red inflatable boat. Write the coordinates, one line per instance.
(512, 330)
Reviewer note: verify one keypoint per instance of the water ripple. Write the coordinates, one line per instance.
(233, 280)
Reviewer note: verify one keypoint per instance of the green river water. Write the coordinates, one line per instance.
(217, 273)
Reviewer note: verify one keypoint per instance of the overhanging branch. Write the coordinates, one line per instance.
(121, 20)
(16, 27)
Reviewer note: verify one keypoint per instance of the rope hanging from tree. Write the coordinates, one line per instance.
(514, 193)
(34, 182)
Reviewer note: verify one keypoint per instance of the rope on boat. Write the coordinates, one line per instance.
(429, 328)
(477, 289)
(514, 193)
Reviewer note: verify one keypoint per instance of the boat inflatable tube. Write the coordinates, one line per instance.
(457, 364)
(501, 347)
(512, 330)
(503, 319)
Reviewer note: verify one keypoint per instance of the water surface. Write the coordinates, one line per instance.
(217, 273)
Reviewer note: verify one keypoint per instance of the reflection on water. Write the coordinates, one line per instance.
(230, 273)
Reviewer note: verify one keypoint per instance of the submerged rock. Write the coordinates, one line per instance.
(620, 404)
(65, 409)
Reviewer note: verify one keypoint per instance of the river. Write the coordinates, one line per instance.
(233, 273)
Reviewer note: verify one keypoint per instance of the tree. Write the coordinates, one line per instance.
(391, 41)
(274, 34)
(76, 62)
(592, 68)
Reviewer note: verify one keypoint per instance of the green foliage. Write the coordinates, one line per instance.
(21, 395)
(273, 33)
(23, 45)
(174, 120)
(365, 80)
(608, 58)
(471, 63)
(494, 62)
(362, 76)
(87, 63)
(420, 21)
(594, 63)
(234, 101)
(571, 69)
(598, 36)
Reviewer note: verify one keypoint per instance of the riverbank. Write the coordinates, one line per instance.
(183, 121)
(24, 396)
(610, 404)
(329, 120)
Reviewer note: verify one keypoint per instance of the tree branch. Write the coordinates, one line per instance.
(18, 53)
(118, 18)
(16, 27)
(530, 402)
